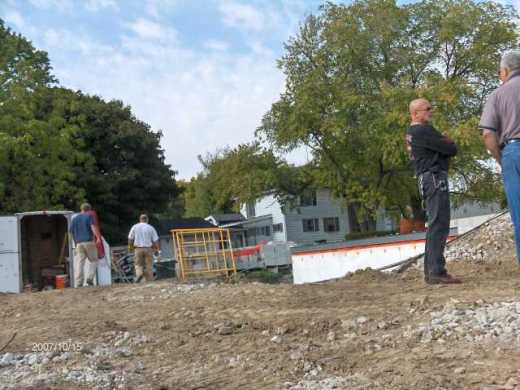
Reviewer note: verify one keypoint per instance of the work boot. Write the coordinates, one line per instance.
(90, 283)
(442, 279)
(138, 279)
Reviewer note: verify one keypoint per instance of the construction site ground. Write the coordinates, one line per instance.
(368, 330)
(357, 332)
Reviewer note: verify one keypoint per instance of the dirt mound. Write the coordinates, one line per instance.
(369, 330)
(369, 275)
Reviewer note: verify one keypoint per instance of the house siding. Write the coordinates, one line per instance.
(326, 207)
(384, 222)
(269, 205)
(253, 239)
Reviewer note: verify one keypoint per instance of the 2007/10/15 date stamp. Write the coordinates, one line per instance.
(66, 346)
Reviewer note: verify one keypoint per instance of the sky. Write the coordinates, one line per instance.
(201, 71)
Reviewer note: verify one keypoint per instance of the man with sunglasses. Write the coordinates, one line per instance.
(430, 152)
(500, 125)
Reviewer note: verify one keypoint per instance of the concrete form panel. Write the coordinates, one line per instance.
(320, 266)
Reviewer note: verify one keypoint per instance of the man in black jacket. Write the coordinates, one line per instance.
(430, 153)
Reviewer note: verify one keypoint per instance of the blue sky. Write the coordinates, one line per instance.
(202, 71)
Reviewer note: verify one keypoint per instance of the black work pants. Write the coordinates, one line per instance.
(434, 190)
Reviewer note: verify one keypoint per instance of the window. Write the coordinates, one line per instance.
(331, 224)
(278, 228)
(308, 198)
(250, 209)
(263, 231)
(311, 225)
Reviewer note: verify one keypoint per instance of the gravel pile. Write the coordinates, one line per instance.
(93, 365)
(497, 322)
(330, 383)
(493, 240)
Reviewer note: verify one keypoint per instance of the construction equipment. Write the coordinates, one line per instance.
(203, 252)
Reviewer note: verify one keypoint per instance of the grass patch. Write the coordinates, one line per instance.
(263, 276)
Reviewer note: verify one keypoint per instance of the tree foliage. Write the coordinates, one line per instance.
(233, 176)
(350, 74)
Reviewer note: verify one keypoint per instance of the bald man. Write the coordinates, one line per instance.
(430, 153)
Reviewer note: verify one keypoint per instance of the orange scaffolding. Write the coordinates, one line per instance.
(203, 252)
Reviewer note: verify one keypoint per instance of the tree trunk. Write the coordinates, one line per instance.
(357, 223)
(417, 208)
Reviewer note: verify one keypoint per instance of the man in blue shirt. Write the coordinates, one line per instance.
(85, 235)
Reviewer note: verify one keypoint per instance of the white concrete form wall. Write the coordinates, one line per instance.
(316, 266)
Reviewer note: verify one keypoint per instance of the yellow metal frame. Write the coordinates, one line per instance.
(204, 252)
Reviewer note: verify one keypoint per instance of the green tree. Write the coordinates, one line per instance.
(36, 153)
(59, 147)
(122, 171)
(23, 69)
(350, 77)
(233, 176)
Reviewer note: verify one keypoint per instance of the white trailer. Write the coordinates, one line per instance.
(32, 243)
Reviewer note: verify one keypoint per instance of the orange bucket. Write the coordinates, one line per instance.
(61, 281)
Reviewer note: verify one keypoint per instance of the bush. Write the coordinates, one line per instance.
(264, 276)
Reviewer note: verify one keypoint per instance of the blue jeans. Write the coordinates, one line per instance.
(511, 176)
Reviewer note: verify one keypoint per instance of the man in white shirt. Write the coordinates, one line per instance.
(145, 241)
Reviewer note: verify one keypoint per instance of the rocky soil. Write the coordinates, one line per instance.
(370, 330)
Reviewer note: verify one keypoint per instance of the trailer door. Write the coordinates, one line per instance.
(10, 265)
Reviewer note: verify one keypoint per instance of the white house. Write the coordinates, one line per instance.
(317, 217)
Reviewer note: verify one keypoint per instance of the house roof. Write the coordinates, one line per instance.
(249, 221)
(227, 218)
(165, 225)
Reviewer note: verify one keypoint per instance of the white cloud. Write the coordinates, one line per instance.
(15, 19)
(243, 16)
(61, 5)
(202, 99)
(97, 5)
(149, 30)
(214, 44)
(279, 21)
(158, 8)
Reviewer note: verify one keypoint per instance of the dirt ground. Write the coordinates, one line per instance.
(261, 336)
